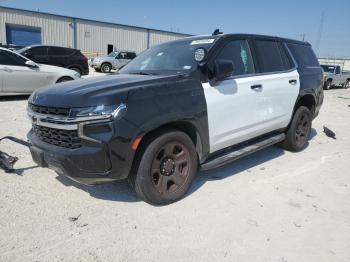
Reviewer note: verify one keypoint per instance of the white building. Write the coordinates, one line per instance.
(24, 27)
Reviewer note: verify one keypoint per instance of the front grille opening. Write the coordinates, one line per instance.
(58, 137)
(50, 110)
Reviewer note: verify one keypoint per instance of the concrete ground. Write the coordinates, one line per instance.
(271, 206)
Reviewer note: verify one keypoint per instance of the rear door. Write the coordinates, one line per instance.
(280, 83)
(57, 56)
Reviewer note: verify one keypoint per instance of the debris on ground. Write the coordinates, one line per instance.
(329, 132)
(7, 162)
(73, 219)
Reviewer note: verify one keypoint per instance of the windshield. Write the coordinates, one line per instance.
(328, 69)
(172, 57)
(113, 54)
(21, 51)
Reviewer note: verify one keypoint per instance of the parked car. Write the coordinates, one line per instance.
(199, 102)
(334, 76)
(57, 56)
(113, 60)
(19, 75)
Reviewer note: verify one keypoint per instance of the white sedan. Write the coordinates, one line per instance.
(19, 75)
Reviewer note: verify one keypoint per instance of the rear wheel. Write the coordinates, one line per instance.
(327, 85)
(166, 168)
(64, 79)
(106, 68)
(76, 69)
(299, 130)
(347, 84)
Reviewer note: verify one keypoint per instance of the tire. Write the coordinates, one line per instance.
(165, 168)
(327, 85)
(64, 79)
(347, 84)
(76, 69)
(106, 68)
(298, 132)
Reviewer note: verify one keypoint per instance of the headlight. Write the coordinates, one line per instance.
(114, 111)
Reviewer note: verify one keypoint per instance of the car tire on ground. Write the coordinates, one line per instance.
(165, 167)
(347, 84)
(64, 79)
(106, 68)
(298, 132)
(327, 85)
(76, 69)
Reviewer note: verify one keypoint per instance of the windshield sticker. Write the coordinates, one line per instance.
(187, 67)
(160, 54)
(202, 41)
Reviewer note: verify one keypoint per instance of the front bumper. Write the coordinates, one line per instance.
(104, 152)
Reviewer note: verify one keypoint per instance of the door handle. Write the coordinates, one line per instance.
(293, 82)
(256, 87)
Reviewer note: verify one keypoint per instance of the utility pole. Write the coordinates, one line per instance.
(319, 34)
(303, 36)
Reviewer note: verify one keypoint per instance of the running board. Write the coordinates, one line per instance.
(242, 151)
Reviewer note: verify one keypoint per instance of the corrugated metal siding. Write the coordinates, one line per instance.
(54, 30)
(160, 37)
(91, 36)
(94, 37)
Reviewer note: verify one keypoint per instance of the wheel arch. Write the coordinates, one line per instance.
(187, 127)
(307, 100)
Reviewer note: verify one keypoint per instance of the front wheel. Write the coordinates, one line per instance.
(299, 130)
(166, 168)
(347, 84)
(327, 85)
(106, 68)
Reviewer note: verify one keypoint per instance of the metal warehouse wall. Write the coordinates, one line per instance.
(94, 37)
(91, 37)
(57, 31)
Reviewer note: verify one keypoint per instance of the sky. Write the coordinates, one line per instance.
(286, 18)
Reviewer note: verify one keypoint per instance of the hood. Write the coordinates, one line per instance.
(103, 90)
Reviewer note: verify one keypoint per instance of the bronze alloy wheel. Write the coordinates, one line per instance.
(302, 129)
(170, 167)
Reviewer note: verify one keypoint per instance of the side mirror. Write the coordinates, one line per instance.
(222, 69)
(31, 64)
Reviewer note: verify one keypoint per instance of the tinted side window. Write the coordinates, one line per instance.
(239, 53)
(304, 55)
(269, 56)
(131, 55)
(41, 50)
(57, 51)
(337, 70)
(8, 58)
(122, 55)
(69, 51)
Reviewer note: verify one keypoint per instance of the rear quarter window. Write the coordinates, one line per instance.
(271, 56)
(304, 55)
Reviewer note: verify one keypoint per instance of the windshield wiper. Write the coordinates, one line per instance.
(143, 73)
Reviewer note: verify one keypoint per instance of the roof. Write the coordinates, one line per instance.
(92, 20)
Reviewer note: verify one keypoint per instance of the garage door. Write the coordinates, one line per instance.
(23, 35)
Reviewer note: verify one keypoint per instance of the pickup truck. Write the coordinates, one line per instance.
(334, 76)
(179, 107)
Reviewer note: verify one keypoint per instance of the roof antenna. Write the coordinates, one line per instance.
(217, 32)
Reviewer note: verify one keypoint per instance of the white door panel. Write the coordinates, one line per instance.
(22, 79)
(237, 113)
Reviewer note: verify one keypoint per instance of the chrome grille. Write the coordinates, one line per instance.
(58, 137)
(50, 110)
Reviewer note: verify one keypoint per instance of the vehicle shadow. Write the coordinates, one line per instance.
(116, 191)
(121, 191)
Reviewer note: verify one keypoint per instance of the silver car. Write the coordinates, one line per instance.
(113, 60)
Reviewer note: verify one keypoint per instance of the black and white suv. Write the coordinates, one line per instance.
(195, 103)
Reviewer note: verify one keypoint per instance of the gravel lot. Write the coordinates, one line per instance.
(271, 206)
